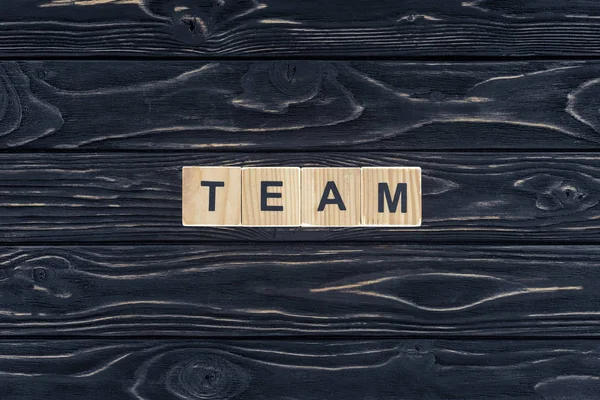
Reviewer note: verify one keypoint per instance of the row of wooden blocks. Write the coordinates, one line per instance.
(289, 196)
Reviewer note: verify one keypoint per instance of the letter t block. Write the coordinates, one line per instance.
(391, 196)
(211, 196)
(271, 196)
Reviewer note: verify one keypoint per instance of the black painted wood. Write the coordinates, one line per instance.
(300, 290)
(251, 28)
(473, 197)
(291, 105)
(168, 318)
(258, 370)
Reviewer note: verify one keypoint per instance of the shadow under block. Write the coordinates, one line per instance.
(391, 196)
(330, 196)
(271, 196)
(211, 196)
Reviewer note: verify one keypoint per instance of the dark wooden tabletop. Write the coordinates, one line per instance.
(105, 295)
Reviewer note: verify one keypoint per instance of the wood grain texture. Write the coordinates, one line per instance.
(251, 28)
(254, 370)
(473, 197)
(252, 290)
(291, 105)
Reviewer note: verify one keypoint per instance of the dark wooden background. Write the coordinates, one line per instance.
(105, 295)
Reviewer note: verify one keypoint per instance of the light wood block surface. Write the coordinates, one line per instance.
(271, 196)
(330, 196)
(212, 196)
(391, 196)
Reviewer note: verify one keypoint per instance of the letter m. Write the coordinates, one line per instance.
(400, 195)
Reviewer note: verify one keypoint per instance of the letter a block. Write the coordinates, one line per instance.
(330, 196)
(391, 196)
(212, 196)
(271, 196)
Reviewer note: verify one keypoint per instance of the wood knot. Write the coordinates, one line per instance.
(208, 376)
(190, 374)
(41, 270)
(190, 25)
(296, 78)
(195, 21)
(272, 87)
(39, 274)
(555, 192)
(195, 375)
(43, 277)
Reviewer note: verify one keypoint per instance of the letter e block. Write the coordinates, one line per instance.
(330, 196)
(391, 196)
(271, 196)
(212, 196)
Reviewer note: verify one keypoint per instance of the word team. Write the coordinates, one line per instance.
(291, 196)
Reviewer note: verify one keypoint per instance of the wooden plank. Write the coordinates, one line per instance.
(253, 370)
(251, 28)
(292, 105)
(474, 197)
(251, 290)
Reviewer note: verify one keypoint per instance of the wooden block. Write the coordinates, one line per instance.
(211, 196)
(331, 196)
(271, 196)
(391, 196)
